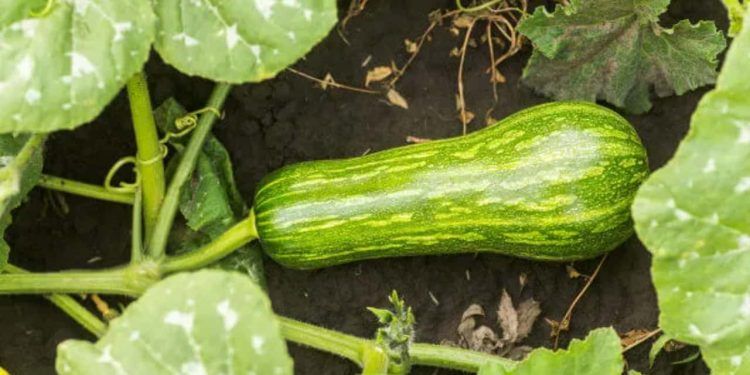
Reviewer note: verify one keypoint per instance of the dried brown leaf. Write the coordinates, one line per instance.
(463, 21)
(507, 318)
(634, 335)
(469, 116)
(396, 99)
(377, 74)
(468, 323)
(455, 52)
(472, 43)
(528, 312)
(484, 339)
(572, 272)
(327, 80)
(454, 31)
(410, 46)
(413, 139)
(497, 77)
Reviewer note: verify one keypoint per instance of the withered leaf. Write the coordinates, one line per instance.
(483, 339)
(396, 99)
(634, 335)
(377, 74)
(410, 46)
(468, 323)
(463, 21)
(507, 318)
(327, 80)
(413, 139)
(528, 312)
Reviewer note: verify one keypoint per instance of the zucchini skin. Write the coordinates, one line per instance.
(552, 182)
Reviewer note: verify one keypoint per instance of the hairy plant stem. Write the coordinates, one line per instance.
(71, 307)
(150, 164)
(359, 350)
(158, 240)
(131, 280)
(84, 189)
(235, 237)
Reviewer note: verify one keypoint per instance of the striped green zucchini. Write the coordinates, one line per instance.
(553, 182)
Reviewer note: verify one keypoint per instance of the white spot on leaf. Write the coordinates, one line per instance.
(25, 68)
(81, 6)
(291, 3)
(120, 29)
(308, 14)
(257, 343)
(682, 215)
(710, 166)
(232, 36)
(80, 65)
(743, 185)
(255, 49)
(32, 96)
(192, 368)
(179, 318)
(227, 314)
(187, 39)
(745, 308)
(744, 128)
(27, 27)
(736, 360)
(265, 7)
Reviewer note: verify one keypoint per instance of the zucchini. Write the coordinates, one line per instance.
(553, 182)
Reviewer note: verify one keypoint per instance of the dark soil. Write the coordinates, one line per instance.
(286, 120)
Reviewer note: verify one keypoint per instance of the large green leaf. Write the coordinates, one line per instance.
(598, 354)
(61, 68)
(20, 169)
(239, 40)
(617, 51)
(208, 322)
(694, 216)
(210, 201)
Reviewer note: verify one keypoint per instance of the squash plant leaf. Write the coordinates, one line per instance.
(207, 322)
(20, 169)
(616, 51)
(210, 201)
(239, 40)
(694, 217)
(598, 354)
(735, 13)
(62, 65)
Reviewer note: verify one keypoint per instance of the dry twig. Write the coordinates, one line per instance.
(564, 324)
(324, 83)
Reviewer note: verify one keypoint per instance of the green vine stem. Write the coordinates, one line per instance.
(235, 237)
(136, 231)
(357, 349)
(131, 281)
(71, 307)
(374, 361)
(84, 189)
(422, 354)
(150, 164)
(158, 243)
